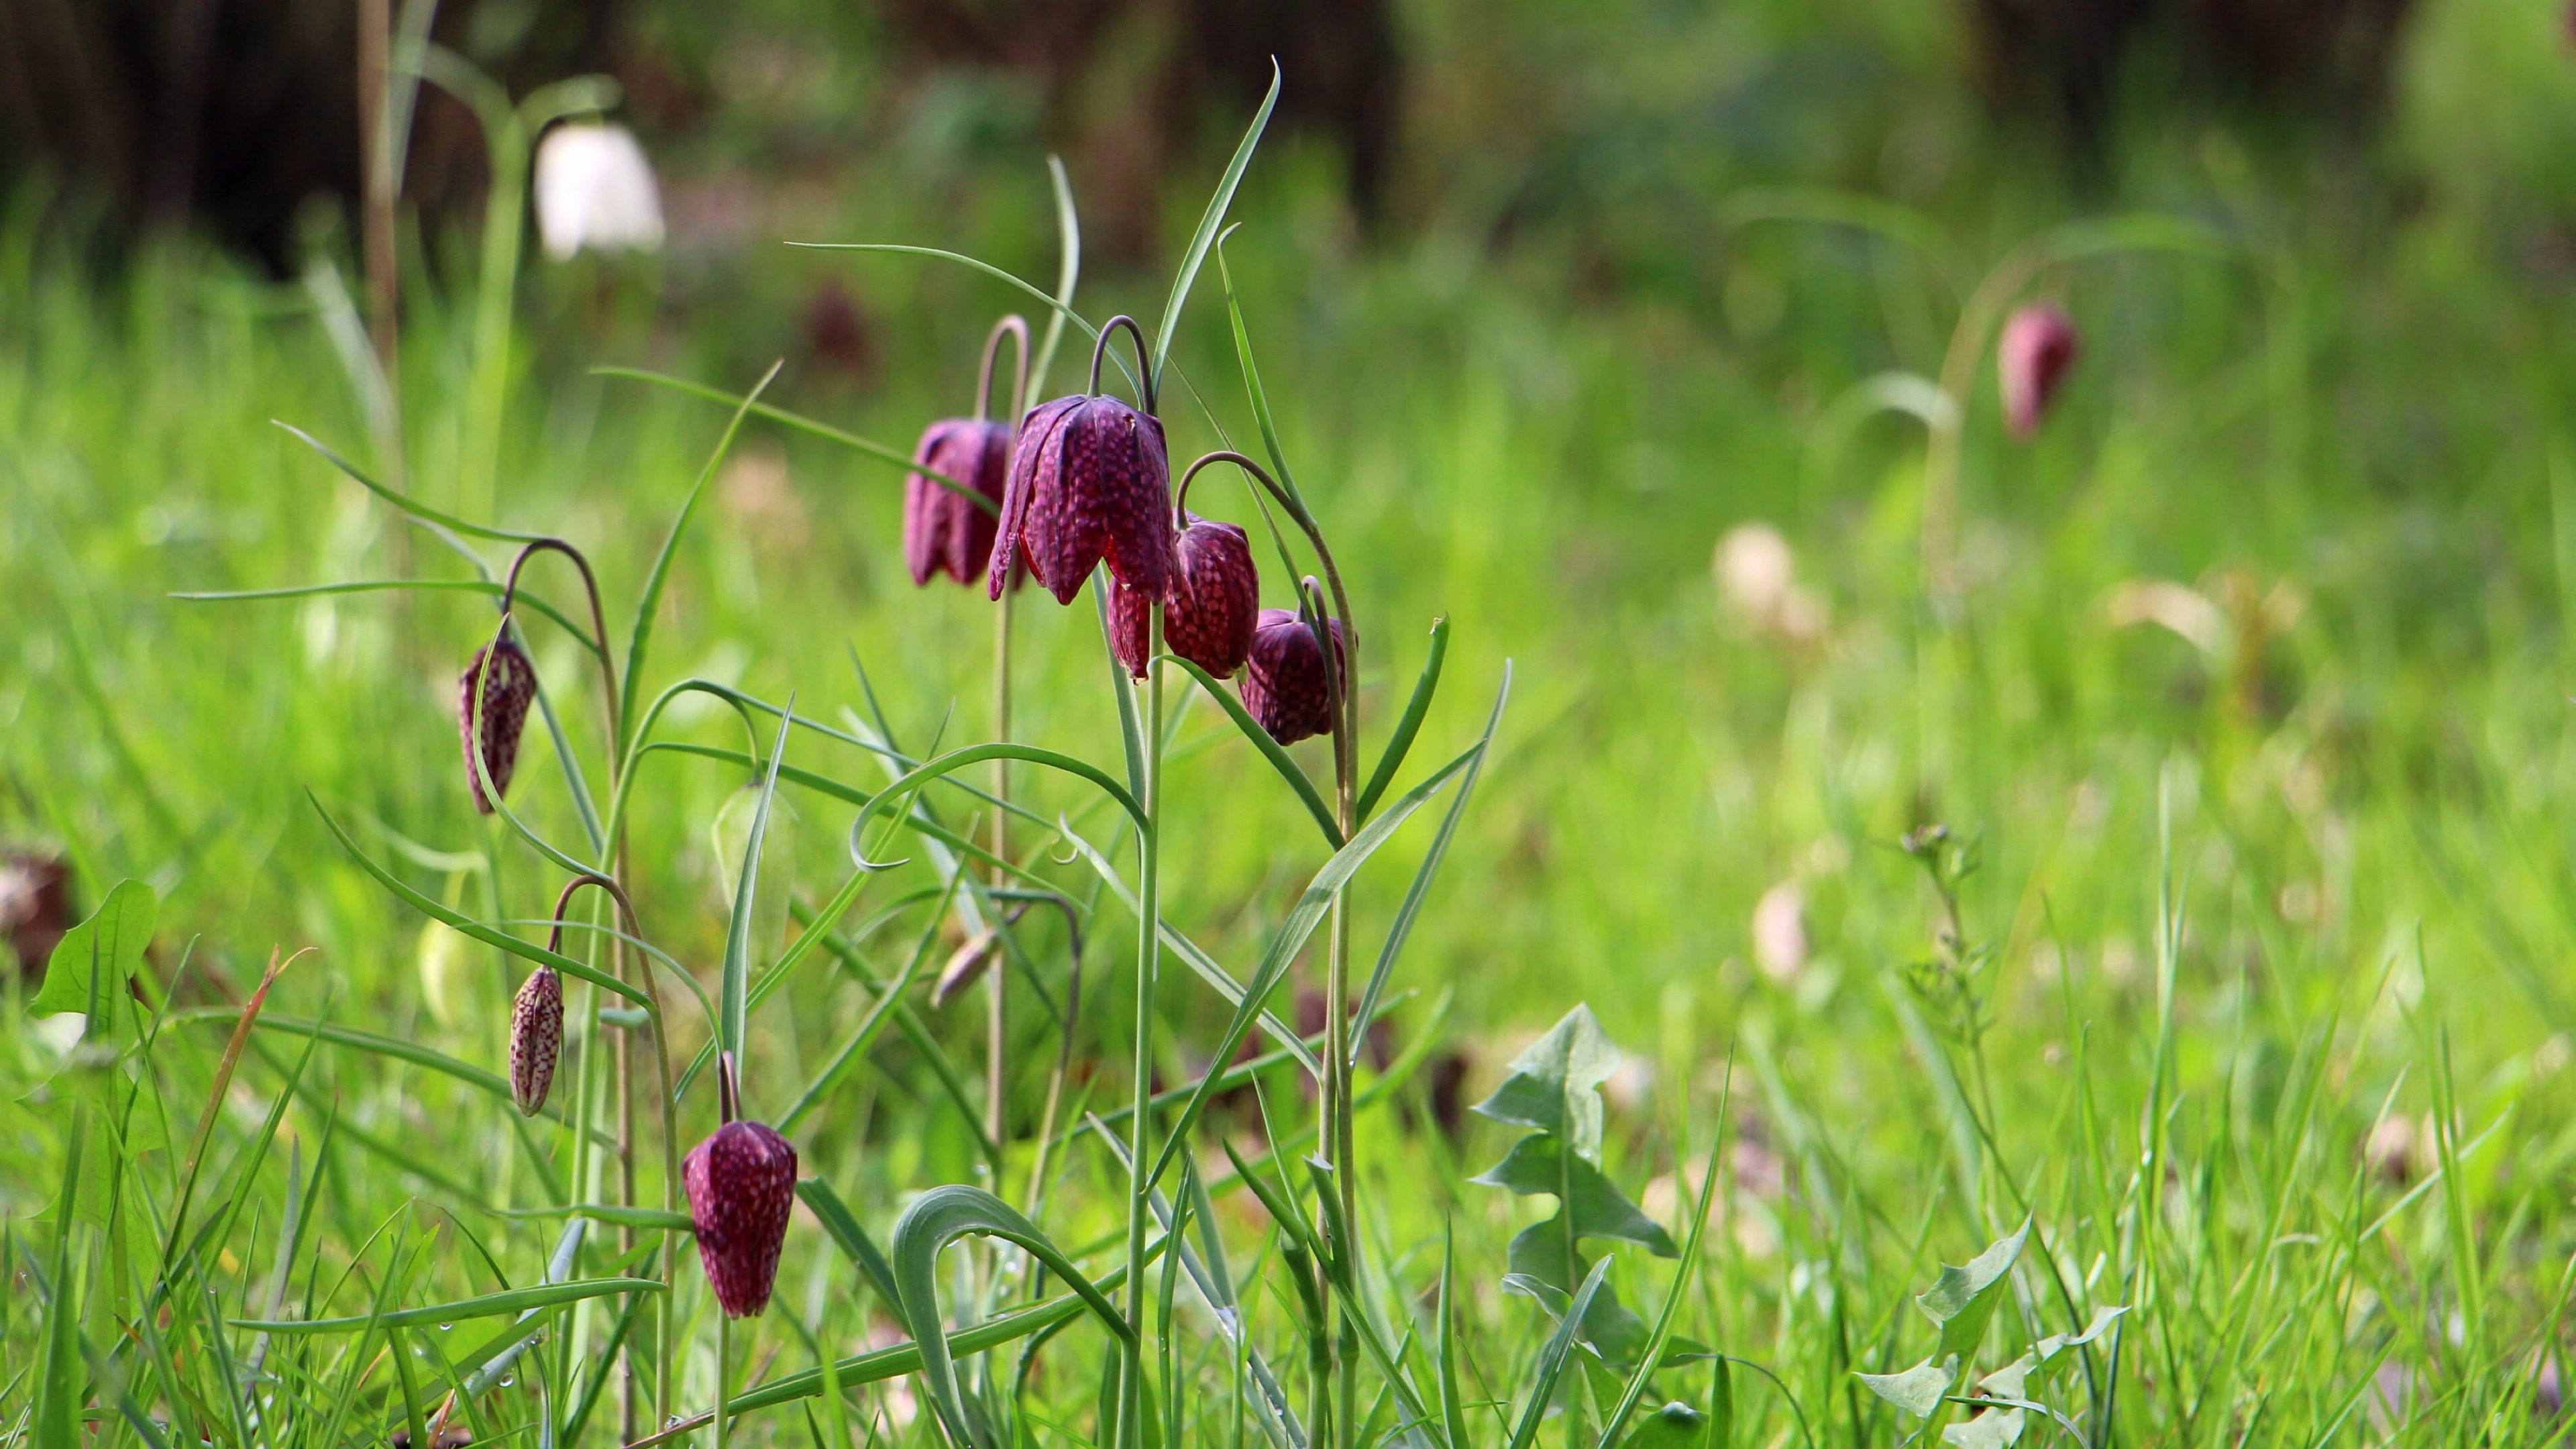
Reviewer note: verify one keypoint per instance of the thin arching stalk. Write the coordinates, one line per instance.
(662, 1349)
(1337, 1102)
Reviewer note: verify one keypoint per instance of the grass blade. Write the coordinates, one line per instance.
(843, 1225)
(936, 1219)
(1551, 1359)
(734, 994)
(490, 1305)
(1270, 749)
(404, 501)
(58, 1382)
(1068, 228)
(524, 950)
(1401, 742)
(1209, 223)
(1453, 1407)
(1292, 936)
(486, 587)
(214, 1104)
(639, 637)
(1402, 930)
(1199, 961)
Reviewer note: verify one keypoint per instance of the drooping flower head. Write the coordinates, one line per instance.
(536, 1039)
(943, 530)
(1213, 609)
(946, 530)
(741, 1184)
(595, 189)
(1090, 480)
(2038, 346)
(1284, 685)
(509, 686)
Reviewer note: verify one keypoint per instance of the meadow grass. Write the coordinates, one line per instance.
(2253, 1005)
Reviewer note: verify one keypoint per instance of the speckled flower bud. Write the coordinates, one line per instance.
(943, 530)
(509, 687)
(741, 1184)
(1090, 480)
(1211, 614)
(536, 1039)
(2038, 346)
(1284, 686)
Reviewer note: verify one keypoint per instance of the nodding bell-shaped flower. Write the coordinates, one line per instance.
(1211, 615)
(1090, 480)
(741, 1184)
(2039, 345)
(1284, 686)
(536, 1039)
(943, 530)
(595, 189)
(509, 686)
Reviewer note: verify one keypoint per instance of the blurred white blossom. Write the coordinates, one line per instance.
(596, 190)
(1757, 577)
(1780, 932)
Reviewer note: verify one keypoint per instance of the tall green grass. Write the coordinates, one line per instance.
(2232, 911)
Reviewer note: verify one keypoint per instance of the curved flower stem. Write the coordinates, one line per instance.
(1015, 327)
(598, 626)
(1338, 1102)
(662, 1348)
(997, 1034)
(1346, 710)
(624, 1063)
(1100, 353)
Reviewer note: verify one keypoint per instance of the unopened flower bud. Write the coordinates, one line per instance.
(1284, 685)
(741, 1184)
(1210, 617)
(943, 530)
(965, 966)
(536, 1039)
(2038, 346)
(509, 686)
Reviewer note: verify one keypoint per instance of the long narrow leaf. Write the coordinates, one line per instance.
(404, 501)
(490, 1305)
(734, 993)
(803, 424)
(1209, 223)
(524, 950)
(1203, 965)
(1068, 272)
(936, 1219)
(1269, 749)
(1551, 1359)
(1410, 724)
(1293, 933)
(1402, 930)
(843, 1225)
(487, 587)
(639, 637)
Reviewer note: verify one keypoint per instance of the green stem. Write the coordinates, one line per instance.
(997, 1021)
(724, 1371)
(1140, 1206)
